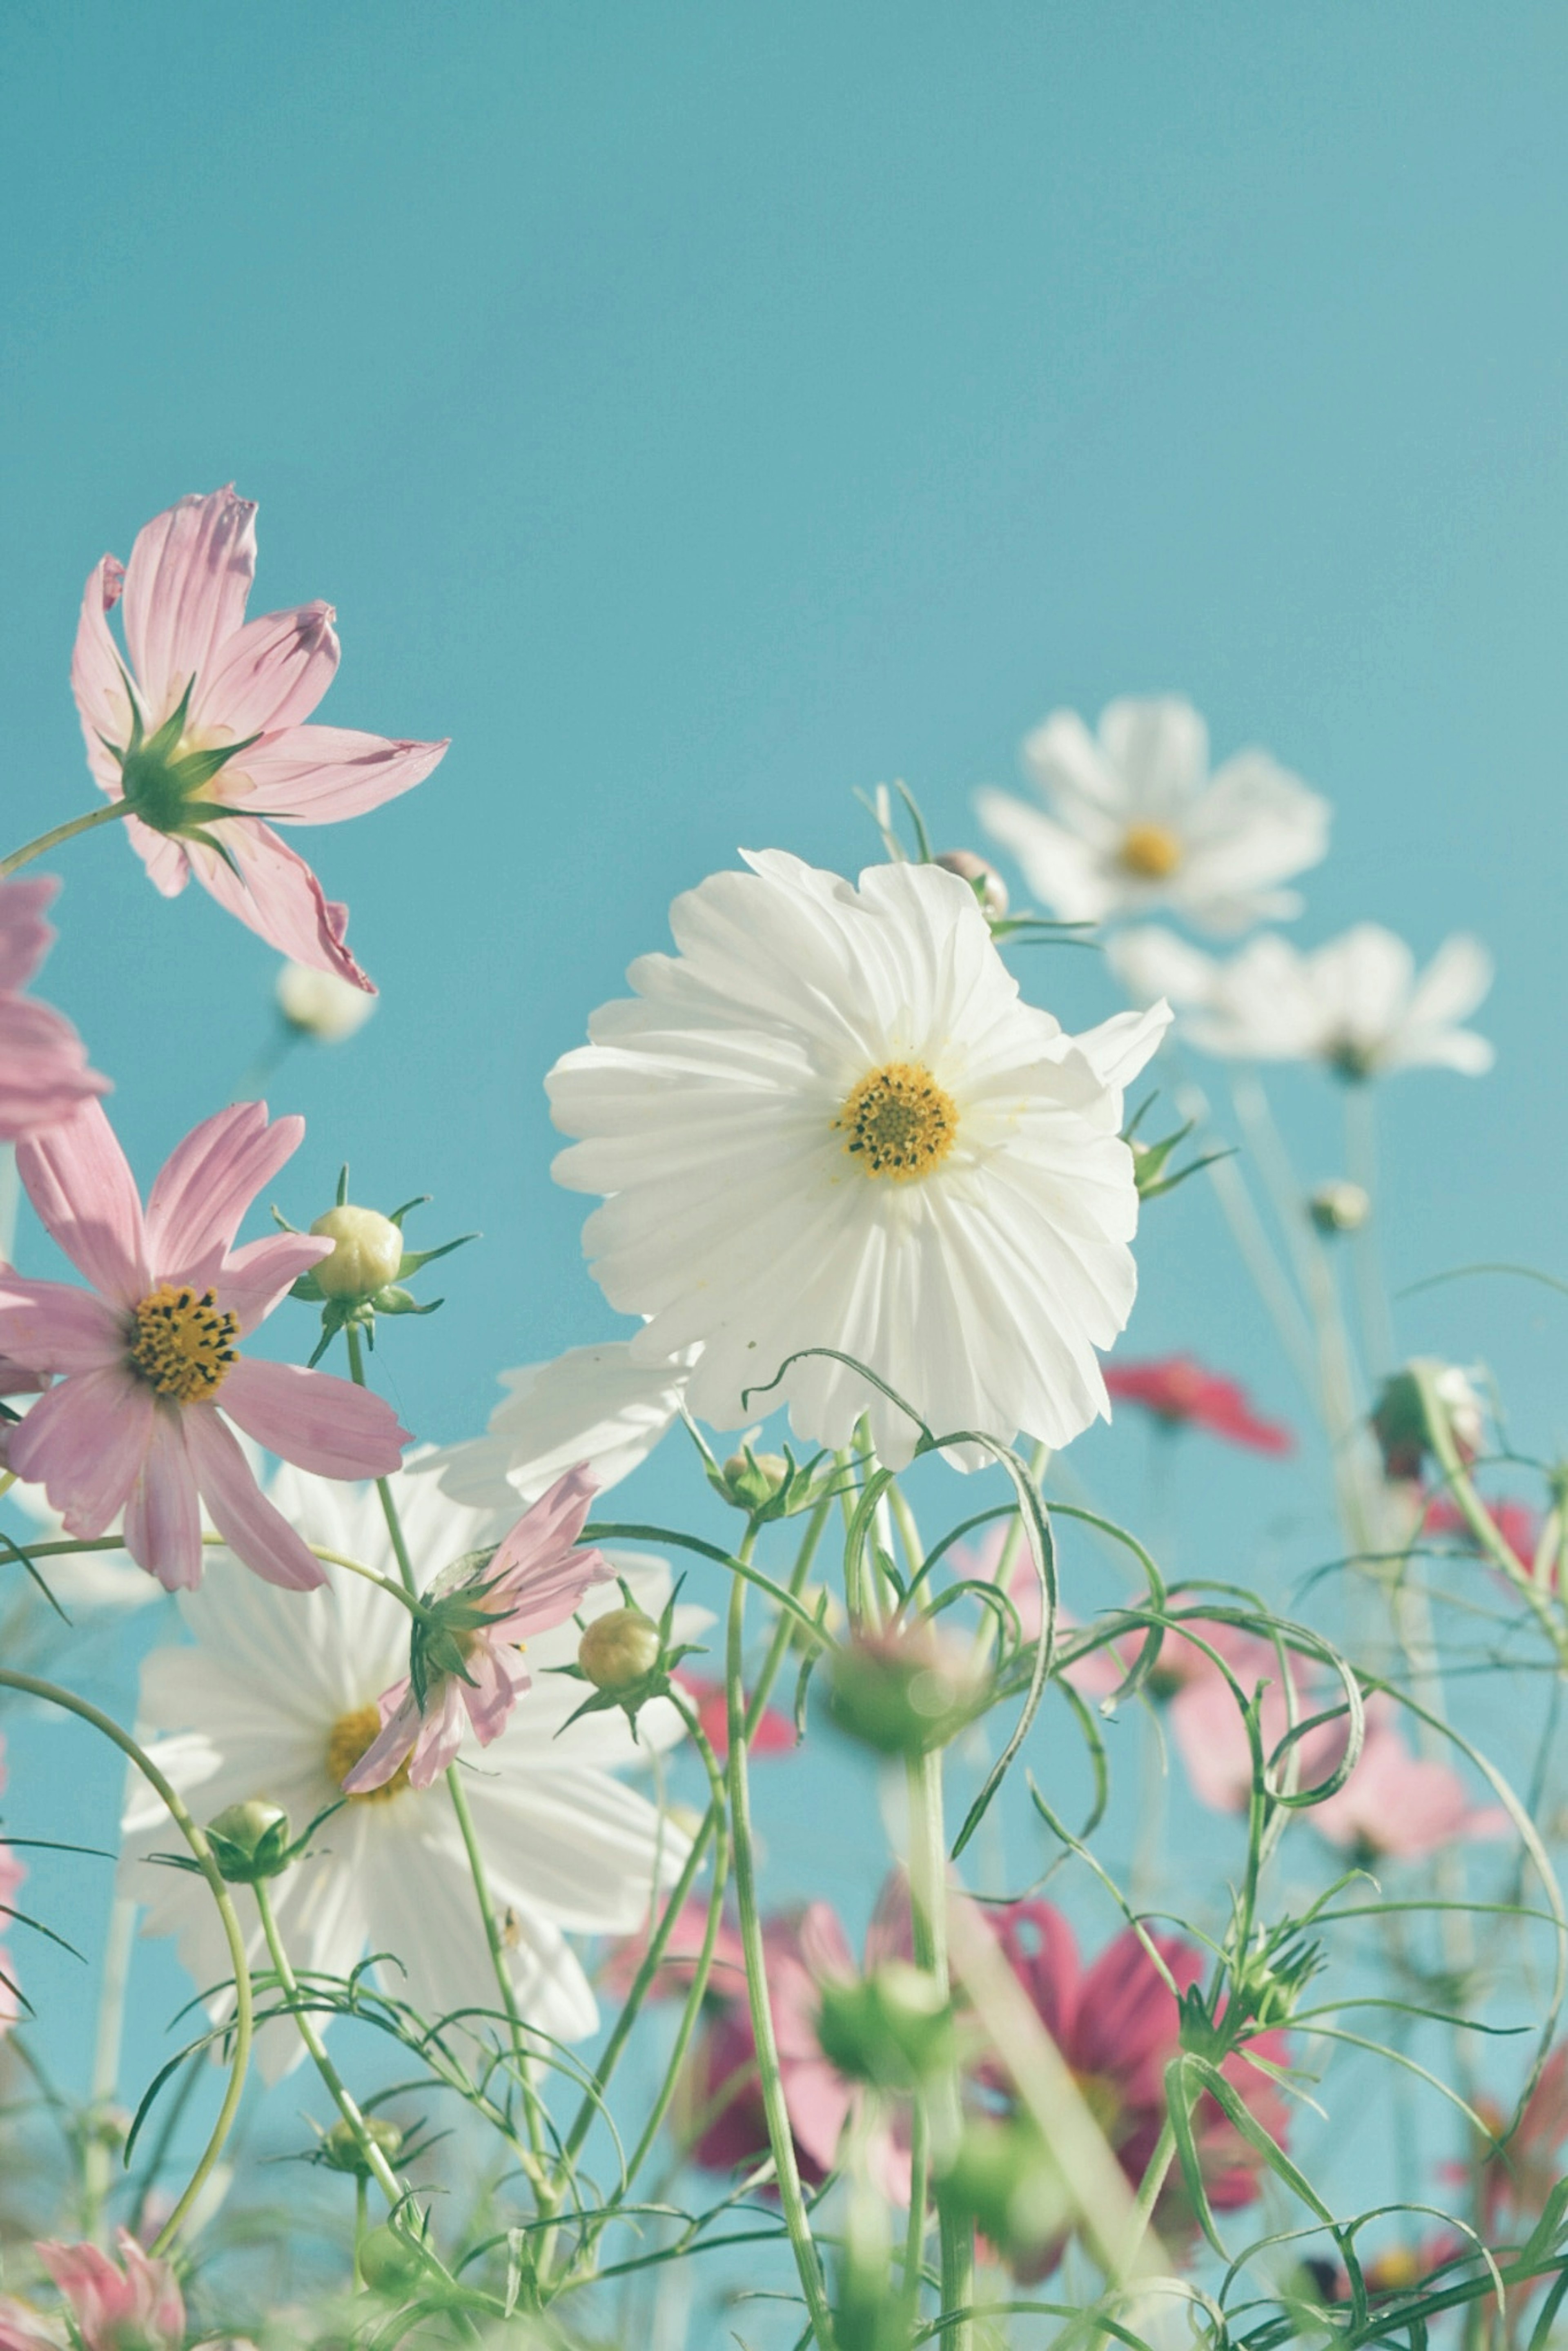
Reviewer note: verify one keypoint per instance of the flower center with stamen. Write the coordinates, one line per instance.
(898, 1121)
(350, 1737)
(1151, 851)
(182, 1342)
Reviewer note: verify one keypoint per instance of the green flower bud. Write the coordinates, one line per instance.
(1399, 1417)
(1340, 1207)
(388, 2263)
(620, 1650)
(982, 878)
(341, 2149)
(903, 1691)
(367, 1254)
(894, 2027)
(1004, 2177)
(751, 1481)
(249, 1841)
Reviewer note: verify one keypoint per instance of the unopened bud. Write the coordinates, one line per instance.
(1399, 1417)
(751, 1481)
(620, 1650)
(341, 2150)
(1004, 2177)
(903, 1691)
(1340, 1207)
(366, 1255)
(249, 1841)
(893, 2027)
(982, 877)
(319, 1004)
(388, 2263)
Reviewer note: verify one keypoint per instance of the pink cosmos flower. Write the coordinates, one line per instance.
(200, 728)
(677, 1967)
(1398, 1805)
(43, 1062)
(147, 1354)
(535, 1579)
(1117, 2025)
(137, 2308)
(1180, 1394)
(774, 1735)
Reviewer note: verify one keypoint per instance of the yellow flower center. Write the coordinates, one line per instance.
(351, 1736)
(182, 1342)
(899, 1122)
(1152, 851)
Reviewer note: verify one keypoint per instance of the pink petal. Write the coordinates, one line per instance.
(399, 1729)
(440, 1736)
(168, 867)
(500, 1678)
(26, 937)
(84, 1442)
(98, 680)
(269, 675)
(78, 1180)
(185, 590)
(256, 1278)
(55, 1327)
(322, 1424)
(255, 1531)
(319, 775)
(538, 1575)
(209, 1181)
(44, 1075)
(275, 894)
(163, 1518)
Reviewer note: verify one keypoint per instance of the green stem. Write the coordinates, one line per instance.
(534, 2163)
(96, 2167)
(796, 2218)
(383, 1486)
(370, 2155)
(202, 1855)
(108, 814)
(929, 1912)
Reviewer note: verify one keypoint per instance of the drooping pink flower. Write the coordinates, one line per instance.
(1398, 1805)
(134, 2304)
(774, 1735)
(43, 1062)
(535, 1579)
(150, 1376)
(199, 727)
(1181, 1393)
(1117, 2025)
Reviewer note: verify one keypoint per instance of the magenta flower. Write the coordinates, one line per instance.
(147, 1356)
(137, 2308)
(470, 1646)
(200, 728)
(1181, 1393)
(43, 1063)
(1397, 1805)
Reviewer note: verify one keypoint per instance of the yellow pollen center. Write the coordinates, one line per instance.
(182, 1342)
(898, 1121)
(349, 1737)
(1152, 851)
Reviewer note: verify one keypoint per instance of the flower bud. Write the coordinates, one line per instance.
(894, 2027)
(982, 877)
(388, 2263)
(249, 1841)
(1004, 2177)
(1340, 1207)
(366, 1255)
(1399, 1417)
(620, 1650)
(751, 1481)
(319, 1004)
(341, 2149)
(903, 1691)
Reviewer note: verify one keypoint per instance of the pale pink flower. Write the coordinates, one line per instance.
(483, 1617)
(135, 1423)
(43, 1062)
(1399, 1805)
(22, 2329)
(11, 1875)
(137, 2308)
(199, 727)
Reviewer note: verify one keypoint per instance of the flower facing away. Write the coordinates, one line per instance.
(200, 729)
(43, 1074)
(1137, 822)
(276, 1698)
(1356, 1005)
(592, 1404)
(488, 1611)
(828, 1123)
(151, 1372)
(131, 2304)
(1180, 1394)
(1397, 1806)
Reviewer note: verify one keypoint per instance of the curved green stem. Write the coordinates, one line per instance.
(108, 814)
(928, 1918)
(202, 1855)
(371, 2156)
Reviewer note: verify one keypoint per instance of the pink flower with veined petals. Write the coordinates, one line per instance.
(1398, 1805)
(1180, 1394)
(137, 1423)
(533, 1581)
(137, 2308)
(201, 727)
(44, 1073)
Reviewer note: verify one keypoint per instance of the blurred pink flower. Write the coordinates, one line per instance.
(43, 1062)
(1400, 1805)
(134, 1422)
(774, 1735)
(1181, 1393)
(1518, 2177)
(200, 728)
(1516, 1522)
(11, 1875)
(677, 1965)
(134, 2307)
(534, 1580)
(1206, 1721)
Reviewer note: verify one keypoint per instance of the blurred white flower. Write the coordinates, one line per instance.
(1356, 1004)
(276, 1697)
(1137, 822)
(594, 1404)
(830, 1122)
(321, 1005)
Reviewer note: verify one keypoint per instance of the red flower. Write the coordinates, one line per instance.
(1516, 1522)
(1180, 1393)
(774, 1735)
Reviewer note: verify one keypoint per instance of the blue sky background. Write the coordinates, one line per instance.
(699, 412)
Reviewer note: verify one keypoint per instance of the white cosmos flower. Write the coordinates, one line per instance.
(596, 1405)
(1356, 1004)
(829, 1122)
(1137, 823)
(320, 1004)
(275, 1696)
